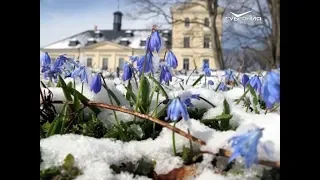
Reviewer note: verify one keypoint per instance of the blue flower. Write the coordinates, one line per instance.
(148, 63)
(82, 73)
(96, 84)
(210, 82)
(154, 42)
(223, 87)
(206, 69)
(171, 60)
(271, 89)
(45, 61)
(165, 73)
(245, 79)
(60, 60)
(229, 76)
(51, 72)
(133, 58)
(127, 71)
(255, 83)
(245, 145)
(177, 109)
(187, 96)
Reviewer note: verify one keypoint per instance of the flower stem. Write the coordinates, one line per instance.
(174, 140)
(244, 94)
(155, 112)
(265, 112)
(114, 112)
(81, 88)
(190, 142)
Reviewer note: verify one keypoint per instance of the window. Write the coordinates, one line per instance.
(121, 62)
(89, 62)
(206, 22)
(143, 43)
(205, 61)
(186, 22)
(206, 42)
(186, 64)
(186, 42)
(104, 63)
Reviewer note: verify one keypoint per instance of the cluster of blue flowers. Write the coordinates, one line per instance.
(69, 68)
(269, 89)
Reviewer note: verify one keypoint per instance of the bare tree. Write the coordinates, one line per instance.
(146, 9)
(260, 37)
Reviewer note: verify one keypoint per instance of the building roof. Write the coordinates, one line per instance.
(87, 38)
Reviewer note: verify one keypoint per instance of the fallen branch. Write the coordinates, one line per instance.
(222, 152)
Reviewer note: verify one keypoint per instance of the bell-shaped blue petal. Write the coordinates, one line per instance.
(222, 87)
(127, 71)
(245, 79)
(154, 42)
(229, 76)
(165, 73)
(60, 61)
(210, 82)
(255, 83)
(177, 109)
(271, 89)
(133, 58)
(145, 61)
(46, 60)
(96, 84)
(171, 60)
(245, 145)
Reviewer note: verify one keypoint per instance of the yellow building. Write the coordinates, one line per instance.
(107, 49)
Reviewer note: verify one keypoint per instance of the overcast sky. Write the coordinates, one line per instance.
(62, 18)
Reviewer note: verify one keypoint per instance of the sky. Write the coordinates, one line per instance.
(63, 18)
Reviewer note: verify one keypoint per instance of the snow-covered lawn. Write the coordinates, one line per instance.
(94, 156)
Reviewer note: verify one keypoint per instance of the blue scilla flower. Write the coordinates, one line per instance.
(222, 87)
(154, 42)
(186, 97)
(60, 60)
(171, 60)
(177, 109)
(229, 76)
(133, 59)
(165, 73)
(245, 145)
(210, 82)
(245, 79)
(96, 84)
(127, 71)
(255, 83)
(51, 72)
(271, 89)
(82, 73)
(206, 69)
(45, 60)
(147, 60)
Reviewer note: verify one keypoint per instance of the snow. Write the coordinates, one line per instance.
(94, 156)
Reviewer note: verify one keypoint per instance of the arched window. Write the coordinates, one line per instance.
(206, 22)
(186, 22)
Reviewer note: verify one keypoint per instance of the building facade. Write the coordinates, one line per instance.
(108, 49)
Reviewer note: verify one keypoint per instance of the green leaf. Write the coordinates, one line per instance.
(162, 112)
(217, 87)
(226, 107)
(160, 87)
(42, 134)
(255, 98)
(198, 80)
(223, 117)
(130, 94)
(112, 94)
(186, 152)
(145, 94)
(55, 127)
(70, 84)
(46, 126)
(66, 93)
(68, 162)
(136, 129)
(144, 167)
(82, 98)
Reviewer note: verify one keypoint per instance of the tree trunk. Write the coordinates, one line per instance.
(212, 6)
(274, 7)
